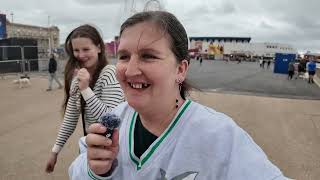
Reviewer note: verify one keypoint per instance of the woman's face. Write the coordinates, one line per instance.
(147, 68)
(85, 51)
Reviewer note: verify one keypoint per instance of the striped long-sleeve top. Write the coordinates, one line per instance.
(105, 95)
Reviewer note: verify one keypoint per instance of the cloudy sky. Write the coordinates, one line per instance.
(294, 22)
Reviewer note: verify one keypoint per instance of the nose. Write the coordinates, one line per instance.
(133, 67)
(81, 54)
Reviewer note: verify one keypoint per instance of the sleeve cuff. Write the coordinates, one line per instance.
(56, 149)
(87, 93)
(106, 176)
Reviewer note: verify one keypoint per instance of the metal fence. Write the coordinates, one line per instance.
(25, 59)
(28, 66)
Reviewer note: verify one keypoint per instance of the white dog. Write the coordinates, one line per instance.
(23, 82)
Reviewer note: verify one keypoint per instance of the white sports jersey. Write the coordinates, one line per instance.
(200, 143)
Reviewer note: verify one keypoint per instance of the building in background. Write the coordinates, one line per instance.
(25, 47)
(47, 38)
(3, 26)
(242, 47)
(214, 47)
(256, 50)
(112, 47)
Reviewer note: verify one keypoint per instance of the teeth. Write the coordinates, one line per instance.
(136, 86)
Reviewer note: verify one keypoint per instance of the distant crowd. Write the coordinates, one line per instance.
(303, 68)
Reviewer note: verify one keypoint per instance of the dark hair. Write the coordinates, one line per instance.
(171, 26)
(83, 31)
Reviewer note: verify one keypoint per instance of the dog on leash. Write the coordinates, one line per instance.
(23, 82)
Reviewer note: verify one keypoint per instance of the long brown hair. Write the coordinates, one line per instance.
(84, 31)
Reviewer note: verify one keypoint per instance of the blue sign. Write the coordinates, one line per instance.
(282, 62)
(3, 26)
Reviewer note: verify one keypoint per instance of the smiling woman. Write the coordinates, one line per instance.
(142, 63)
(91, 87)
(163, 134)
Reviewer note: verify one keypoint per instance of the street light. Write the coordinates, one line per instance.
(11, 17)
(49, 34)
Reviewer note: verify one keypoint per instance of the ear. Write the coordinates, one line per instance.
(183, 67)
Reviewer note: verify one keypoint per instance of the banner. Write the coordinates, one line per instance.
(3, 27)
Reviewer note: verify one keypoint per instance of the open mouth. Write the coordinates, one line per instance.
(139, 85)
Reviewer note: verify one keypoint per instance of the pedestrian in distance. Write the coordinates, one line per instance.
(268, 64)
(301, 69)
(290, 70)
(296, 70)
(311, 70)
(260, 62)
(163, 134)
(91, 88)
(52, 72)
(263, 63)
(200, 59)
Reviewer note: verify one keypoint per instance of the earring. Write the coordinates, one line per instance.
(179, 84)
(179, 81)
(177, 103)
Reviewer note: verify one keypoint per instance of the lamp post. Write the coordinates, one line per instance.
(49, 34)
(11, 17)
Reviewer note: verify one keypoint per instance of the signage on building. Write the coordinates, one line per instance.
(3, 28)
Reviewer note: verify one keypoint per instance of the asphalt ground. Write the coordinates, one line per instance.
(248, 78)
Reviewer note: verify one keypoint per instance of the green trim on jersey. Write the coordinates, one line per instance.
(152, 148)
(92, 176)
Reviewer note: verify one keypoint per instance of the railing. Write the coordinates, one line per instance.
(21, 59)
(27, 66)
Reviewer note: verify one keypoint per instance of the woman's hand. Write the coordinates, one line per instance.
(102, 151)
(84, 78)
(51, 162)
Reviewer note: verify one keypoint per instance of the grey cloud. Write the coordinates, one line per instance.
(284, 21)
(97, 2)
(265, 25)
(227, 8)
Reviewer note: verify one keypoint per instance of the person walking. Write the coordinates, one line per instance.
(200, 57)
(91, 88)
(260, 62)
(52, 72)
(290, 70)
(268, 64)
(311, 70)
(263, 63)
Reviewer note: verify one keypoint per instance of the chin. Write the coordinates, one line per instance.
(136, 104)
(136, 107)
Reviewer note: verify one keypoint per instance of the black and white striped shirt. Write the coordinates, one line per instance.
(106, 95)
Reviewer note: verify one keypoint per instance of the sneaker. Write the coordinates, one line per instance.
(49, 89)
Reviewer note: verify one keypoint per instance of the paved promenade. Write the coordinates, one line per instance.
(249, 78)
(288, 130)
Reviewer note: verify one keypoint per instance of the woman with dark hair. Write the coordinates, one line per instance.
(164, 135)
(91, 88)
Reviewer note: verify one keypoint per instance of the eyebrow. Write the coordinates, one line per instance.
(122, 51)
(149, 50)
(140, 50)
